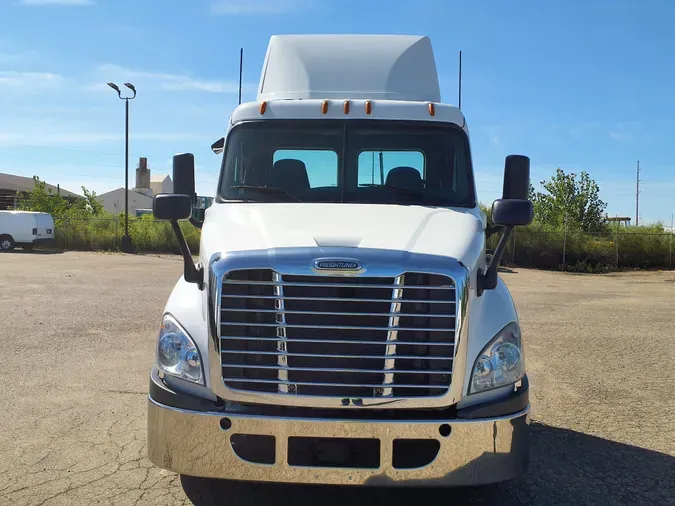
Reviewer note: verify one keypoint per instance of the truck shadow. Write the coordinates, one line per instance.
(566, 467)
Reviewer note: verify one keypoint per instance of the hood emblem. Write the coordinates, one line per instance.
(337, 265)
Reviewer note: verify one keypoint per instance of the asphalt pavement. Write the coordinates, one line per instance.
(78, 334)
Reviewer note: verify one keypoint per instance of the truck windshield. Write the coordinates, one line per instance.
(355, 161)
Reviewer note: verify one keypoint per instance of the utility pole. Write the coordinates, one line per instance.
(670, 245)
(126, 240)
(637, 196)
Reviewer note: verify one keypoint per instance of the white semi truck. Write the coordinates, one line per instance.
(343, 324)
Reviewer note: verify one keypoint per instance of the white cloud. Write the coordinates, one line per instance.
(8, 57)
(57, 2)
(620, 136)
(59, 110)
(197, 85)
(174, 136)
(244, 7)
(162, 81)
(52, 138)
(493, 133)
(584, 127)
(14, 138)
(27, 80)
(124, 73)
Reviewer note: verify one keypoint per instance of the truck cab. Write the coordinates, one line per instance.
(343, 323)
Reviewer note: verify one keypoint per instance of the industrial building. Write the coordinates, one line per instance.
(140, 196)
(12, 185)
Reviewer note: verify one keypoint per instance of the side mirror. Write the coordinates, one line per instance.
(173, 207)
(516, 177)
(184, 175)
(512, 212)
(219, 146)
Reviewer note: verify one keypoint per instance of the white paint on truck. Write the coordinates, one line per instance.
(418, 229)
(343, 324)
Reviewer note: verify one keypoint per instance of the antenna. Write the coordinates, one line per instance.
(241, 70)
(460, 80)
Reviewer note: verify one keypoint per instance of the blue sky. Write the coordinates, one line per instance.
(576, 84)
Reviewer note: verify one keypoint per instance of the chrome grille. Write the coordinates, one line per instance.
(337, 336)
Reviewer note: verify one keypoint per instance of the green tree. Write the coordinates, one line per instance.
(87, 206)
(41, 199)
(571, 200)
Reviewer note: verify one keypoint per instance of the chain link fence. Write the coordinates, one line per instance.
(581, 252)
(559, 250)
(105, 234)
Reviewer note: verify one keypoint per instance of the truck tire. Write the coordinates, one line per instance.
(6, 243)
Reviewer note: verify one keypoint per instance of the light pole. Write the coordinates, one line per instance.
(126, 240)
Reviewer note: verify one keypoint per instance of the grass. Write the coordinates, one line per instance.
(624, 248)
(105, 234)
(533, 246)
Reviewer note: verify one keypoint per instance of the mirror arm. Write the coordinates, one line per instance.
(492, 230)
(196, 223)
(488, 280)
(191, 272)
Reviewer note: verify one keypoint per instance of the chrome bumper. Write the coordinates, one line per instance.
(476, 452)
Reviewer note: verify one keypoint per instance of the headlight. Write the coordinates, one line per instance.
(177, 355)
(501, 362)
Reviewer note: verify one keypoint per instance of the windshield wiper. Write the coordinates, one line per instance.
(265, 189)
(406, 191)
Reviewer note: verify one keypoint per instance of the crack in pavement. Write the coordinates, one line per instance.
(78, 436)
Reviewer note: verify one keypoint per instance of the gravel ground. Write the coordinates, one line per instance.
(78, 331)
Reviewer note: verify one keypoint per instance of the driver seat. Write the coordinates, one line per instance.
(290, 174)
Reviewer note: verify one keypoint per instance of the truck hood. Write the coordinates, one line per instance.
(452, 232)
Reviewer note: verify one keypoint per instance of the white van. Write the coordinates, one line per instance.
(24, 229)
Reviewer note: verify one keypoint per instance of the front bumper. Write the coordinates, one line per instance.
(200, 443)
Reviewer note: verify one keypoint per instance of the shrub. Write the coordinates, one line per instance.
(147, 234)
(536, 245)
(625, 248)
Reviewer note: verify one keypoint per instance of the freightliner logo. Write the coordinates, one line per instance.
(340, 265)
